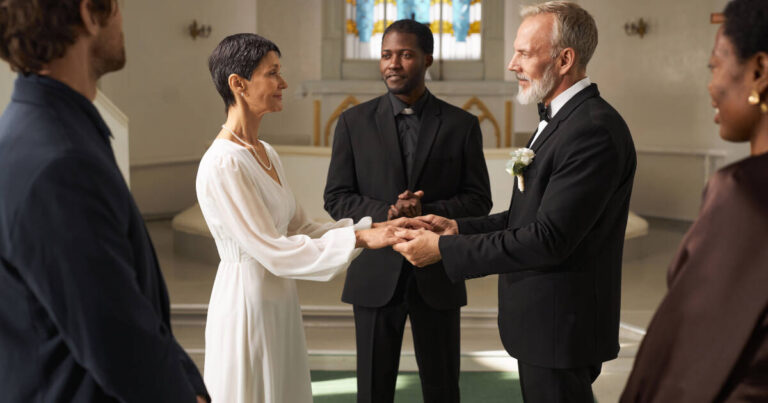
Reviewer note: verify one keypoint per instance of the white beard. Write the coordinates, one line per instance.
(538, 89)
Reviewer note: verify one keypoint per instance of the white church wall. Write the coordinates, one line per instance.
(658, 83)
(6, 84)
(166, 91)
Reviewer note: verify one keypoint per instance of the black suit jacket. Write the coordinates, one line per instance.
(367, 173)
(84, 313)
(559, 246)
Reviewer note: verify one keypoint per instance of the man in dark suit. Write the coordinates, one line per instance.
(383, 150)
(558, 248)
(84, 314)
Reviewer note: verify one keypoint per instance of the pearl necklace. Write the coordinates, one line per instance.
(250, 146)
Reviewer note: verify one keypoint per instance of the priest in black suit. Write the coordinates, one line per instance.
(403, 154)
(84, 313)
(558, 248)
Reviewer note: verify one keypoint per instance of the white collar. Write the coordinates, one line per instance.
(566, 95)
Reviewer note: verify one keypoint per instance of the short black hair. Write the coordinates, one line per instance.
(237, 54)
(746, 25)
(422, 32)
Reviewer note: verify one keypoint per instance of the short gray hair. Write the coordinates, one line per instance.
(574, 28)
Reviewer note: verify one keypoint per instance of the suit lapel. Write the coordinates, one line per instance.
(430, 124)
(563, 113)
(385, 123)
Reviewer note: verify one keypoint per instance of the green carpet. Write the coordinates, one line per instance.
(476, 387)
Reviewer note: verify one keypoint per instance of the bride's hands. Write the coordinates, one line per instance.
(377, 238)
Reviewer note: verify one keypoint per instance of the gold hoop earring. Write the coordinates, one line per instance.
(754, 98)
(763, 108)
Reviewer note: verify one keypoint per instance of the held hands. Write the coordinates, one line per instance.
(382, 234)
(421, 247)
(377, 237)
(440, 225)
(417, 239)
(408, 205)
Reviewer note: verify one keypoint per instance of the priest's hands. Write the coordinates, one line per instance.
(408, 205)
(421, 247)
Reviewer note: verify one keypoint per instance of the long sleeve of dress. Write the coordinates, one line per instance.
(300, 224)
(243, 214)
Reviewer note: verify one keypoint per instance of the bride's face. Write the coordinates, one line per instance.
(264, 91)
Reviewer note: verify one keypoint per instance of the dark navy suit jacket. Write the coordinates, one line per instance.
(84, 312)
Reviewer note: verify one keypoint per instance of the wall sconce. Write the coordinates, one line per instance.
(202, 31)
(636, 28)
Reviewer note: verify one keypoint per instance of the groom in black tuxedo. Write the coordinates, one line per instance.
(403, 154)
(558, 248)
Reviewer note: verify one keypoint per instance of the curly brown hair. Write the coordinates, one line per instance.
(34, 32)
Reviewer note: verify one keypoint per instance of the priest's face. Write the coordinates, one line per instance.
(403, 64)
(730, 86)
(533, 62)
(108, 47)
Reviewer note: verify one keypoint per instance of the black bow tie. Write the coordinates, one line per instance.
(543, 112)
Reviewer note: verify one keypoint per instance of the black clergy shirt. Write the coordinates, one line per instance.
(84, 311)
(408, 124)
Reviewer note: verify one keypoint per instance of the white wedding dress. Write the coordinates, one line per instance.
(255, 350)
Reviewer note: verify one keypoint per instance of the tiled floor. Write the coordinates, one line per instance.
(330, 335)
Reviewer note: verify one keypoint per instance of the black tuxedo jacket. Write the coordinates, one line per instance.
(367, 173)
(559, 246)
(84, 313)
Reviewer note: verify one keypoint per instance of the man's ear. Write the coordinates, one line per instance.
(91, 24)
(566, 61)
(430, 59)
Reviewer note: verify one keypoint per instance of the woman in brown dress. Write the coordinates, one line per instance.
(708, 341)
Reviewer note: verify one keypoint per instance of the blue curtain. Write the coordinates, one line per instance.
(418, 9)
(364, 19)
(461, 19)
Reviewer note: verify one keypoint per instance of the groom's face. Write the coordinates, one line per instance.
(533, 62)
(403, 64)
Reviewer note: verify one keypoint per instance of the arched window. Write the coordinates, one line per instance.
(456, 25)
(469, 37)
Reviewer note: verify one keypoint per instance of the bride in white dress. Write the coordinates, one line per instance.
(255, 350)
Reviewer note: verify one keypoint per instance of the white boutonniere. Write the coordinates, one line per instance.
(521, 158)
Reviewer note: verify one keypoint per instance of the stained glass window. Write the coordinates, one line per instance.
(456, 25)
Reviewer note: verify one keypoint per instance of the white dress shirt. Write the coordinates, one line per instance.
(560, 101)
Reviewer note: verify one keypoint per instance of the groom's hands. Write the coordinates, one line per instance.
(408, 205)
(421, 247)
(440, 225)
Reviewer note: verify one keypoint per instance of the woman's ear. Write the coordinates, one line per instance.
(236, 85)
(760, 68)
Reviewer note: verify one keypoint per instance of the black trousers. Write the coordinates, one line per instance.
(555, 385)
(379, 336)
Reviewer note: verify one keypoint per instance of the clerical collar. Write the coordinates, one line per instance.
(398, 105)
(566, 96)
